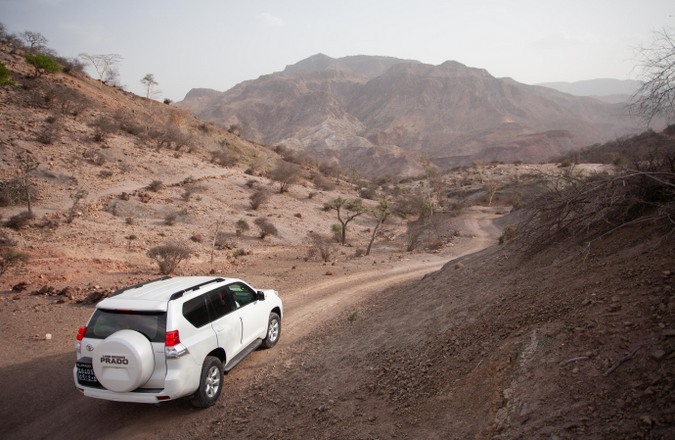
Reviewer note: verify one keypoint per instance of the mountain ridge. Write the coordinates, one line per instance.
(333, 108)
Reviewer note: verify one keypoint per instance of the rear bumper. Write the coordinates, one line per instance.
(182, 380)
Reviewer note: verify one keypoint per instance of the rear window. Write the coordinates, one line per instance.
(106, 322)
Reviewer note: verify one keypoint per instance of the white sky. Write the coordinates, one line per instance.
(219, 43)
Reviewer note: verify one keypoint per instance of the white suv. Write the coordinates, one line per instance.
(172, 338)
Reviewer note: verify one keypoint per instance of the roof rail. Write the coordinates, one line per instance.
(195, 287)
(136, 286)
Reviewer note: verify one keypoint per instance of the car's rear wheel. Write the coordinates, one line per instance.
(273, 331)
(210, 383)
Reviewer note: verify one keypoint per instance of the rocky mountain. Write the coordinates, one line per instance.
(381, 114)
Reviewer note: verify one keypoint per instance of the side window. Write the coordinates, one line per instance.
(241, 294)
(195, 311)
(219, 303)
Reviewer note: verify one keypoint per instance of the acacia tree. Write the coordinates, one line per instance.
(149, 82)
(102, 63)
(656, 96)
(347, 210)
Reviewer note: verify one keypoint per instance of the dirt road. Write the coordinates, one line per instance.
(40, 401)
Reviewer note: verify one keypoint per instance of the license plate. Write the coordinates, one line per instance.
(85, 374)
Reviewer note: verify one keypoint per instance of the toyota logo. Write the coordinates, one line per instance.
(90, 347)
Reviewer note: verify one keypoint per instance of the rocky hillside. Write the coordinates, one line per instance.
(380, 114)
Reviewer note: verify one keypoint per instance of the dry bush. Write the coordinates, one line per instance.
(191, 189)
(258, 198)
(581, 211)
(169, 256)
(19, 220)
(241, 227)
(69, 101)
(103, 127)
(223, 158)
(171, 218)
(51, 132)
(8, 255)
(265, 227)
(155, 185)
(321, 245)
(12, 192)
(322, 183)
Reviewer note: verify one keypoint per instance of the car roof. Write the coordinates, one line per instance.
(155, 295)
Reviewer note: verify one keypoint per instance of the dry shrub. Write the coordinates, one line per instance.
(169, 256)
(581, 211)
(258, 198)
(265, 227)
(321, 245)
(19, 220)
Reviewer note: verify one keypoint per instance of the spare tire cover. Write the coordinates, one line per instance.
(123, 361)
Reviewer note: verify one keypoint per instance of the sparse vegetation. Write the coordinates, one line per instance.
(169, 256)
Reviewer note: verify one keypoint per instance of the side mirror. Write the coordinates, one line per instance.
(260, 296)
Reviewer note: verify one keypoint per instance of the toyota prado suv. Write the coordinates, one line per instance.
(173, 338)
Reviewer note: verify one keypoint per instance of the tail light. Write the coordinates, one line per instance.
(172, 345)
(81, 332)
(80, 335)
(172, 338)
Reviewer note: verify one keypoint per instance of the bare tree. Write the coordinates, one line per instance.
(347, 210)
(149, 82)
(381, 213)
(656, 97)
(102, 63)
(77, 197)
(35, 40)
(491, 188)
(27, 164)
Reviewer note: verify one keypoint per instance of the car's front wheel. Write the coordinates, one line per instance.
(273, 331)
(210, 383)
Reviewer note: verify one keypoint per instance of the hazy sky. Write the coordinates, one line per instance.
(219, 43)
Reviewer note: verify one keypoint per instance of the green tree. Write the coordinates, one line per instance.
(347, 210)
(43, 63)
